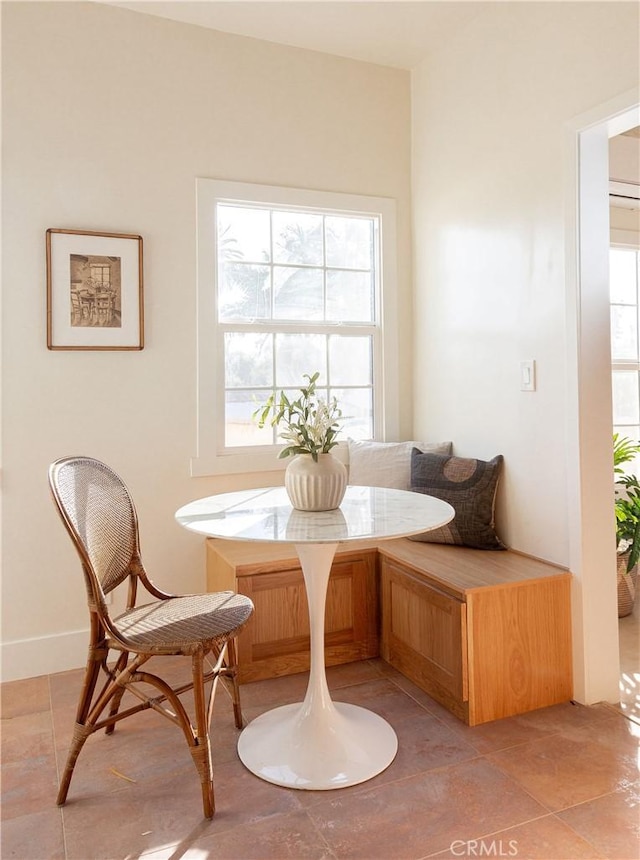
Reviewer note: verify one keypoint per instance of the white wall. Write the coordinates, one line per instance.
(491, 171)
(108, 117)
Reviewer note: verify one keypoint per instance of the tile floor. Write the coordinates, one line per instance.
(558, 783)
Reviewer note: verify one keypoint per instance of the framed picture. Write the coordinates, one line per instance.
(94, 290)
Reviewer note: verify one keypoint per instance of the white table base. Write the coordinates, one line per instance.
(317, 744)
(330, 749)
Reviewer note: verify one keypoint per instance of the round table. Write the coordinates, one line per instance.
(317, 743)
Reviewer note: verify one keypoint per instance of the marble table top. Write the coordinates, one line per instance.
(266, 515)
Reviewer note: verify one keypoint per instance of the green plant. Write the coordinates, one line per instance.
(311, 423)
(624, 451)
(627, 500)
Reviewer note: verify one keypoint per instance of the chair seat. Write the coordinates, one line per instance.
(181, 623)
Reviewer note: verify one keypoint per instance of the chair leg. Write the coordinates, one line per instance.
(201, 751)
(80, 734)
(123, 659)
(232, 674)
(81, 731)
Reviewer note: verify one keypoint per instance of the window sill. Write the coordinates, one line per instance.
(245, 463)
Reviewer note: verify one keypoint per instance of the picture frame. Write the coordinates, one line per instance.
(94, 290)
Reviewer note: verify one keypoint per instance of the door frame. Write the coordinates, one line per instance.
(591, 520)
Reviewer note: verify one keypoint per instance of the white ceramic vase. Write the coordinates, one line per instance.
(315, 486)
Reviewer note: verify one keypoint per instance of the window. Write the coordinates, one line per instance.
(101, 275)
(291, 282)
(625, 344)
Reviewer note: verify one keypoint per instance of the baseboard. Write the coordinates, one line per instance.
(43, 655)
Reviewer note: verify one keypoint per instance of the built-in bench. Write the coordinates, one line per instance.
(485, 633)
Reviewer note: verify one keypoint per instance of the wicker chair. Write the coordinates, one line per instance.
(100, 517)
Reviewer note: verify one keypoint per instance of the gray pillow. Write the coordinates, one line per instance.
(470, 488)
(386, 464)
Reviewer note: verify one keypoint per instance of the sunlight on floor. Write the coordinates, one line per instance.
(171, 851)
(630, 694)
(629, 637)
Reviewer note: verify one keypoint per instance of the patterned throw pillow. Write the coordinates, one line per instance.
(470, 488)
(386, 464)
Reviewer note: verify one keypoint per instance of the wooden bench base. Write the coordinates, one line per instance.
(276, 641)
(487, 634)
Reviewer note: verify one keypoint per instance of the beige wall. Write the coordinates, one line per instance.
(108, 118)
(625, 225)
(624, 166)
(624, 158)
(493, 162)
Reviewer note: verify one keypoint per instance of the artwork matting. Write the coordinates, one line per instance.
(94, 290)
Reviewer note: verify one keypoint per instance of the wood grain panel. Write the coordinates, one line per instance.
(460, 569)
(424, 627)
(340, 611)
(281, 610)
(246, 558)
(519, 648)
(276, 639)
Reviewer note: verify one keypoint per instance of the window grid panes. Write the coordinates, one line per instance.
(625, 344)
(296, 294)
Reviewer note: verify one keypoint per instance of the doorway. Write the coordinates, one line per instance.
(591, 517)
(624, 210)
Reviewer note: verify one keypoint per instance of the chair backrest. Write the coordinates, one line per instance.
(99, 515)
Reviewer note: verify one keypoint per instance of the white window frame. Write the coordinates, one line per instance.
(210, 383)
(625, 240)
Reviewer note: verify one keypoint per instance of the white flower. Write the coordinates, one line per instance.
(310, 423)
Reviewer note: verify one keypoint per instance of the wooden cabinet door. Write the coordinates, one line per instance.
(277, 642)
(520, 638)
(424, 635)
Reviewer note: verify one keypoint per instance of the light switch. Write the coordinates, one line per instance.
(528, 375)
